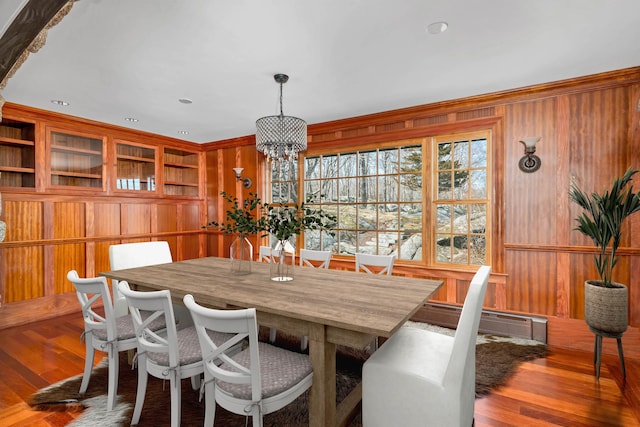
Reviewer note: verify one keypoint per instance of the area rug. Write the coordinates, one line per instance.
(496, 359)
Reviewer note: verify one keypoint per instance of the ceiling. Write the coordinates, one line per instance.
(113, 59)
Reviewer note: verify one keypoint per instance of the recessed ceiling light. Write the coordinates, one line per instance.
(437, 27)
(131, 119)
(183, 132)
(185, 100)
(59, 102)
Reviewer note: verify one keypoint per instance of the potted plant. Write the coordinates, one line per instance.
(241, 221)
(606, 301)
(283, 222)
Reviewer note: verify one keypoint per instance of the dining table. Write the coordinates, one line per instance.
(331, 307)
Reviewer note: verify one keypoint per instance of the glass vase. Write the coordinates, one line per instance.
(282, 262)
(241, 254)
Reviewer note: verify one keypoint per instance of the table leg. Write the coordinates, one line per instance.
(322, 397)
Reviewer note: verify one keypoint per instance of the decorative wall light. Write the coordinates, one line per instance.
(281, 137)
(530, 162)
(246, 182)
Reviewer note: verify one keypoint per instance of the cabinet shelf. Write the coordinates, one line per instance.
(16, 169)
(77, 174)
(64, 148)
(181, 184)
(136, 159)
(180, 165)
(13, 141)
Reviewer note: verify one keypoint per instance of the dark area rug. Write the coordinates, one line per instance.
(496, 360)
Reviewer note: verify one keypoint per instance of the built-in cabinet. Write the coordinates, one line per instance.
(71, 188)
(79, 160)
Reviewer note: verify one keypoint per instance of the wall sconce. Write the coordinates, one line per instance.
(530, 162)
(246, 182)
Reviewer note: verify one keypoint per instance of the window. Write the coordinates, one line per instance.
(376, 195)
(379, 195)
(461, 200)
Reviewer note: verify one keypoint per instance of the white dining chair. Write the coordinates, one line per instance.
(130, 255)
(173, 355)
(258, 380)
(419, 377)
(103, 331)
(375, 264)
(314, 258)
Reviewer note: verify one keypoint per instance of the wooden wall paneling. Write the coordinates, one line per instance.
(531, 286)
(582, 268)
(634, 221)
(190, 222)
(530, 197)
(90, 245)
(136, 218)
(168, 216)
(67, 257)
(69, 221)
(562, 213)
(24, 273)
(23, 267)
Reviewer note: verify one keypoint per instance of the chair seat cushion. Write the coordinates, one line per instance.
(280, 370)
(415, 352)
(189, 346)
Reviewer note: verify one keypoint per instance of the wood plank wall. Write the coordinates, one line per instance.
(590, 135)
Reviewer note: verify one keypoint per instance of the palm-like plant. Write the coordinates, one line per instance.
(602, 220)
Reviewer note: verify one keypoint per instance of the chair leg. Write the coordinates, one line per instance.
(88, 363)
(621, 355)
(176, 396)
(304, 343)
(114, 368)
(209, 404)
(195, 382)
(272, 335)
(142, 388)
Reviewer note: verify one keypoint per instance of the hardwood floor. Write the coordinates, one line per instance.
(560, 390)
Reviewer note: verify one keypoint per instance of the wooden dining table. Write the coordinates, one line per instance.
(331, 307)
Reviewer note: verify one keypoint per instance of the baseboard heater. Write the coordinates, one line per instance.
(491, 322)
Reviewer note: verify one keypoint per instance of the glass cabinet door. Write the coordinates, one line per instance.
(76, 160)
(181, 173)
(136, 167)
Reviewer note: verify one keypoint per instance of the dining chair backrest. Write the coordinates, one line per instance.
(258, 380)
(138, 254)
(406, 382)
(462, 363)
(315, 258)
(375, 264)
(94, 296)
(102, 331)
(173, 355)
(145, 307)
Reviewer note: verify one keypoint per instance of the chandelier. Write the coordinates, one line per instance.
(281, 137)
